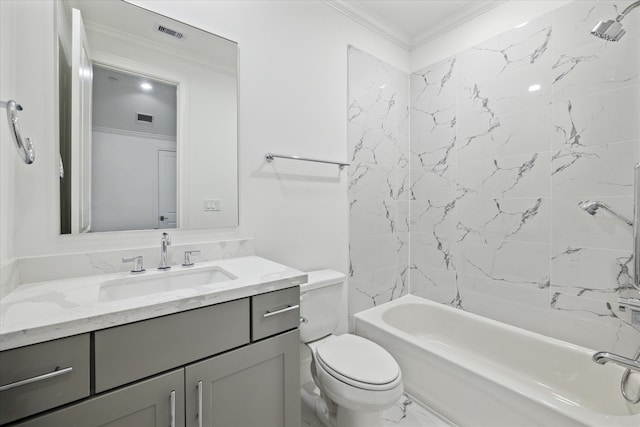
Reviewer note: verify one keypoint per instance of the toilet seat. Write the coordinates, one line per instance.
(359, 363)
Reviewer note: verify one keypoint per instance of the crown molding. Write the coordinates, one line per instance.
(452, 22)
(401, 38)
(362, 16)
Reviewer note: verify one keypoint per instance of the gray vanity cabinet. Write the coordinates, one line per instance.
(234, 364)
(157, 402)
(254, 386)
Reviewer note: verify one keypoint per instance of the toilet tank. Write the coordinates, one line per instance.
(320, 304)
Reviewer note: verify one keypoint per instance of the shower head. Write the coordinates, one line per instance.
(608, 30)
(612, 30)
(591, 207)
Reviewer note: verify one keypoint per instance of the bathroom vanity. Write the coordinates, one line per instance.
(222, 354)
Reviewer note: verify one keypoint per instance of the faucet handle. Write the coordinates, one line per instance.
(137, 263)
(187, 257)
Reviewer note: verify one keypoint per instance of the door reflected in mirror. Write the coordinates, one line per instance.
(148, 121)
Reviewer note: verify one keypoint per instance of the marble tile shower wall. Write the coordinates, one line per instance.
(378, 147)
(506, 138)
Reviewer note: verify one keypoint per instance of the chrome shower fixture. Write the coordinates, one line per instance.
(592, 208)
(612, 30)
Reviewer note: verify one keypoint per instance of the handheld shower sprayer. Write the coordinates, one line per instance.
(612, 30)
(591, 207)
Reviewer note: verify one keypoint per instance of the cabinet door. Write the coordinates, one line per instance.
(255, 386)
(157, 402)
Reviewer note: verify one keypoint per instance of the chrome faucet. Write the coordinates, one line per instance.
(165, 241)
(603, 357)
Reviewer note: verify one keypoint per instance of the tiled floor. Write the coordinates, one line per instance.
(406, 413)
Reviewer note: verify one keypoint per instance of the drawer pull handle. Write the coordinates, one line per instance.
(42, 377)
(200, 404)
(173, 409)
(282, 310)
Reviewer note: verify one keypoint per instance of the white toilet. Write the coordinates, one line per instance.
(357, 378)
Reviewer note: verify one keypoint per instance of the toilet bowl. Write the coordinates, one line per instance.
(357, 378)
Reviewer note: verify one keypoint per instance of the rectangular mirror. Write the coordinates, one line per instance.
(148, 121)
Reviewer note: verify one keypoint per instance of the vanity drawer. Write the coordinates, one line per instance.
(42, 376)
(130, 352)
(275, 312)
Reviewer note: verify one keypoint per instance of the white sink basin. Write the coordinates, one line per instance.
(156, 282)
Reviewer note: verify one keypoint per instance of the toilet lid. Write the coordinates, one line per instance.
(358, 359)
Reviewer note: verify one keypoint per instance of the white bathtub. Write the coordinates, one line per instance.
(479, 372)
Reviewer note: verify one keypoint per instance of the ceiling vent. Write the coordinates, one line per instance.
(168, 31)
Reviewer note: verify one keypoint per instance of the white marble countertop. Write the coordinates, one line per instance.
(38, 312)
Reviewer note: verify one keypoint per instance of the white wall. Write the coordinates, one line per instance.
(293, 82)
(496, 21)
(32, 208)
(8, 156)
(209, 163)
(125, 180)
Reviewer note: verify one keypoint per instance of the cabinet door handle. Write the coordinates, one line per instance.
(173, 409)
(42, 377)
(200, 404)
(282, 310)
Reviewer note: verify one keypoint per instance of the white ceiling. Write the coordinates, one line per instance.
(411, 23)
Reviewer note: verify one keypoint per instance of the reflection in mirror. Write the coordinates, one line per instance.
(134, 152)
(148, 121)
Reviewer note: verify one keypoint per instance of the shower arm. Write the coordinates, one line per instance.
(627, 10)
(591, 208)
